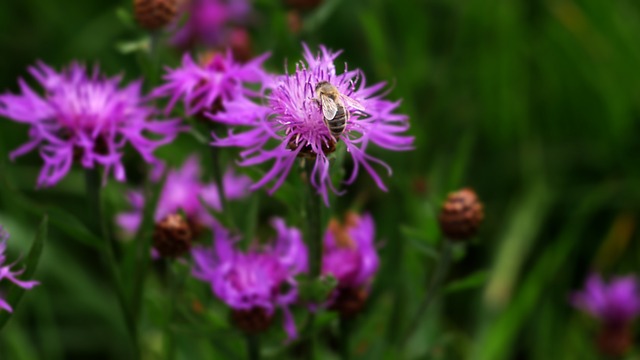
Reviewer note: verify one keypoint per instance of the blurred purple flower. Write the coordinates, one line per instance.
(7, 273)
(615, 304)
(293, 117)
(184, 191)
(209, 21)
(209, 86)
(259, 278)
(86, 118)
(349, 251)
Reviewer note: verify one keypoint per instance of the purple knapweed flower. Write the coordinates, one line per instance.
(184, 192)
(86, 118)
(208, 86)
(351, 257)
(614, 304)
(209, 22)
(293, 115)
(7, 273)
(256, 282)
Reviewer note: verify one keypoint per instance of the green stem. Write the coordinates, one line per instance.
(345, 331)
(436, 281)
(93, 188)
(312, 215)
(218, 177)
(253, 346)
(172, 286)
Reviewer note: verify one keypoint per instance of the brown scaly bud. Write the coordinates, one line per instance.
(461, 215)
(154, 14)
(615, 340)
(303, 5)
(172, 236)
(349, 301)
(252, 321)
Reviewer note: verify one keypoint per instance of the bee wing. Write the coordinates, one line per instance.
(329, 107)
(352, 103)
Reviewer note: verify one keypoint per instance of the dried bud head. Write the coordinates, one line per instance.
(172, 236)
(154, 14)
(461, 215)
(252, 321)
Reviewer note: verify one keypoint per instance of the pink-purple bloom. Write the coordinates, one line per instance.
(7, 273)
(616, 304)
(292, 116)
(185, 192)
(209, 22)
(260, 278)
(84, 117)
(209, 86)
(349, 251)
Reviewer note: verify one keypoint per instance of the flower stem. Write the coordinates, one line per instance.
(312, 215)
(253, 346)
(345, 331)
(172, 287)
(436, 281)
(93, 188)
(218, 177)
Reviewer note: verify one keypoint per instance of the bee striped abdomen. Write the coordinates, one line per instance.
(339, 122)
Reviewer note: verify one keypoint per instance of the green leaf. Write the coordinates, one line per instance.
(472, 281)
(15, 292)
(315, 290)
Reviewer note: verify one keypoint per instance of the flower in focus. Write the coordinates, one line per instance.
(209, 21)
(209, 86)
(293, 116)
(350, 256)
(616, 305)
(256, 282)
(184, 194)
(86, 118)
(7, 273)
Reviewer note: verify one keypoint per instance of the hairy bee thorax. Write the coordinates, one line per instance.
(307, 151)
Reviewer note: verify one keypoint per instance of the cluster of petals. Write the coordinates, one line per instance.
(7, 273)
(262, 277)
(289, 123)
(349, 251)
(185, 192)
(616, 303)
(209, 22)
(210, 84)
(84, 117)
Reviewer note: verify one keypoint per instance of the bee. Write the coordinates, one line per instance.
(335, 113)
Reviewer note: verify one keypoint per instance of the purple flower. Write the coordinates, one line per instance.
(209, 86)
(615, 304)
(7, 273)
(183, 191)
(293, 116)
(349, 251)
(261, 278)
(209, 21)
(86, 118)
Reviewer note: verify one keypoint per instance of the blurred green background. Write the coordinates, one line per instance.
(535, 104)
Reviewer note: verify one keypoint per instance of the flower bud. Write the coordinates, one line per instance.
(172, 236)
(252, 321)
(154, 14)
(461, 215)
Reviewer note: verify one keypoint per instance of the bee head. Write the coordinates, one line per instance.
(321, 85)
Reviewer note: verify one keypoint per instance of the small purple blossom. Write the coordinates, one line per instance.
(209, 21)
(261, 278)
(293, 116)
(616, 304)
(86, 118)
(209, 86)
(349, 251)
(7, 273)
(183, 191)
